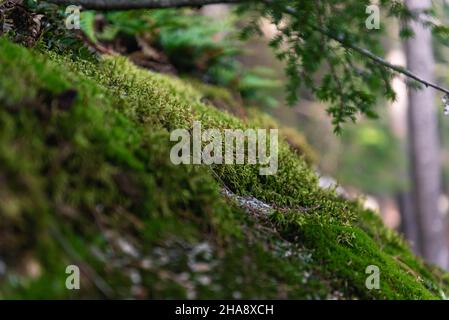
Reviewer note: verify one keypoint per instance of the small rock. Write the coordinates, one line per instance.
(236, 295)
(204, 280)
(127, 248)
(146, 264)
(135, 276)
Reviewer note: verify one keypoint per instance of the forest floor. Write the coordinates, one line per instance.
(86, 179)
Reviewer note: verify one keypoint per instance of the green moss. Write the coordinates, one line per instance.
(294, 139)
(86, 179)
(347, 260)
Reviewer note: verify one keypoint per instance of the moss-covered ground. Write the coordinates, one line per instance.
(86, 179)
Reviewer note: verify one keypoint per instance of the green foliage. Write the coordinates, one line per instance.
(129, 22)
(53, 34)
(255, 86)
(194, 43)
(315, 41)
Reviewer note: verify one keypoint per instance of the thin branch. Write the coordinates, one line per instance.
(138, 4)
(370, 55)
(381, 61)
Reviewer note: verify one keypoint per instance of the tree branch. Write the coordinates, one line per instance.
(159, 4)
(380, 61)
(138, 4)
(368, 54)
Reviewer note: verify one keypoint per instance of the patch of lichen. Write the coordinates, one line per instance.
(90, 182)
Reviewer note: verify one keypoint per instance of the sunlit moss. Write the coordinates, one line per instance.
(81, 177)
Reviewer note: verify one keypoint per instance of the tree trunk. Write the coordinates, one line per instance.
(397, 111)
(424, 144)
(409, 221)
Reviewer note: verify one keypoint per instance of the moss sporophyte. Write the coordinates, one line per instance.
(236, 141)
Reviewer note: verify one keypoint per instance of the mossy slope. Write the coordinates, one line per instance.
(86, 179)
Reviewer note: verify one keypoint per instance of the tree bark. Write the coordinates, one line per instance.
(138, 4)
(424, 144)
(409, 221)
(397, 111)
